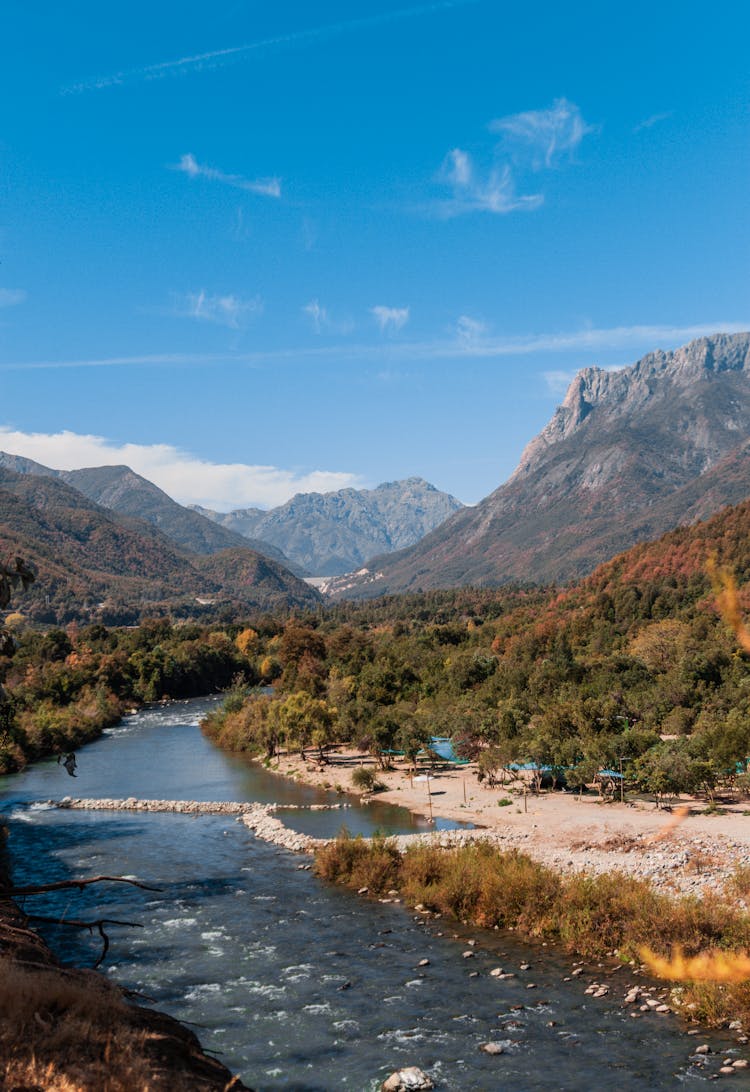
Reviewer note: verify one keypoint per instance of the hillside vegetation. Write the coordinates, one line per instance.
(92, 563)
(583, 677)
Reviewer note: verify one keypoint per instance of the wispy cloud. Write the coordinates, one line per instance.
(390, 318)
(477, 191)
(558, 381)
(322, 321)
(470, 330)
(654, 119)
(317, 315)
(231, 311)
(546, 135)
(267, 187)
(184, 476)
(589, 340)
(530, 142)
(201, 62)
(11, 297)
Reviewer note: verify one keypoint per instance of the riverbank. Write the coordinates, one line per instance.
(69, 1030)
(697, 855)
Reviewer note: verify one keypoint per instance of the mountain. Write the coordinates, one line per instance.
(330, 533)
(124, 491)
(94, 563)
(628, 455)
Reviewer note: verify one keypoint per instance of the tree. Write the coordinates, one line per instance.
(303, 720)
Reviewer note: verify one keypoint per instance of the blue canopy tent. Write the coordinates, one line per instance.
(442, 746)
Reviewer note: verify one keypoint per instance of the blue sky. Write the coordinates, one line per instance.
(253, 249)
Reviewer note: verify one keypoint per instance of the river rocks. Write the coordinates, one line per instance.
(492, 1048)
(259, 818)
(410, 1079)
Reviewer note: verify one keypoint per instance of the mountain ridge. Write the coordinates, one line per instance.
(331, 533)
(608, 470)
(92, 562)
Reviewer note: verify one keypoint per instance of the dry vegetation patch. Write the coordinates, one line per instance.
(591, 915)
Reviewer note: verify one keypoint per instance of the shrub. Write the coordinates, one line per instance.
(366, 779)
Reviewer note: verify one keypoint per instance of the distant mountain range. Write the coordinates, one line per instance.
(124, 491)
(93, 562)
(331, 533)
(629, 455)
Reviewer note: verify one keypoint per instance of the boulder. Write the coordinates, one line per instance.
(410, 1079)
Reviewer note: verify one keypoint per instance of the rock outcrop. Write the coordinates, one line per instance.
(629, 455)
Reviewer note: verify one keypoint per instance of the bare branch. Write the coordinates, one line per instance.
(61, 885)
(98, 924)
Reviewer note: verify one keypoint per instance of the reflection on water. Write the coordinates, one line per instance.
(298, 984)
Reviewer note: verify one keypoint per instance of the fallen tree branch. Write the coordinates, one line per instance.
(61, 885)
(98, 924)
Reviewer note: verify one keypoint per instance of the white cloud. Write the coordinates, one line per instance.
(187, 478)
(588, 340)
(654, 119)
(547, 135)
(531, 141)
(228, 310)
(470, 330)
(318, 315)
(474, 190)
(390, 318)
(559, 381)
(322, 322)
(266, 187)
(11, 297)
(205, 62)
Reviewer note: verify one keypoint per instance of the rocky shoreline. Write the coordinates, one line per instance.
(682, 863)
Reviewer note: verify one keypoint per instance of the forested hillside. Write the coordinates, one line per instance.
(93, 563)
(581, 678)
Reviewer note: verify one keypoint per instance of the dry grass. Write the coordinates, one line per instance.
(71, 1031)
(738, 884)
(588, 915)
(60, 1031)
(617, 843)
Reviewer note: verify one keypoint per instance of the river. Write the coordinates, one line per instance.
(298, 985)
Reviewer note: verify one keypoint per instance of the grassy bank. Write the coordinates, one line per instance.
(591, 916)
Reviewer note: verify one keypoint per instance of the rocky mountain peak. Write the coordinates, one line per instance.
(624, 392)
(629, 453)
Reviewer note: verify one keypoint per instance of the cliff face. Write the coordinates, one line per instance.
(330, 533)
(628, 455)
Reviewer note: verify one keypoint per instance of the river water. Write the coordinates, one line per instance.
(298, 985)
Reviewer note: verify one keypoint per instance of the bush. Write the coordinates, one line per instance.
(358, 863)
(366, 779)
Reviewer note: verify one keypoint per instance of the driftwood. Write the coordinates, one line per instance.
(61, 885)
(97, 924)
